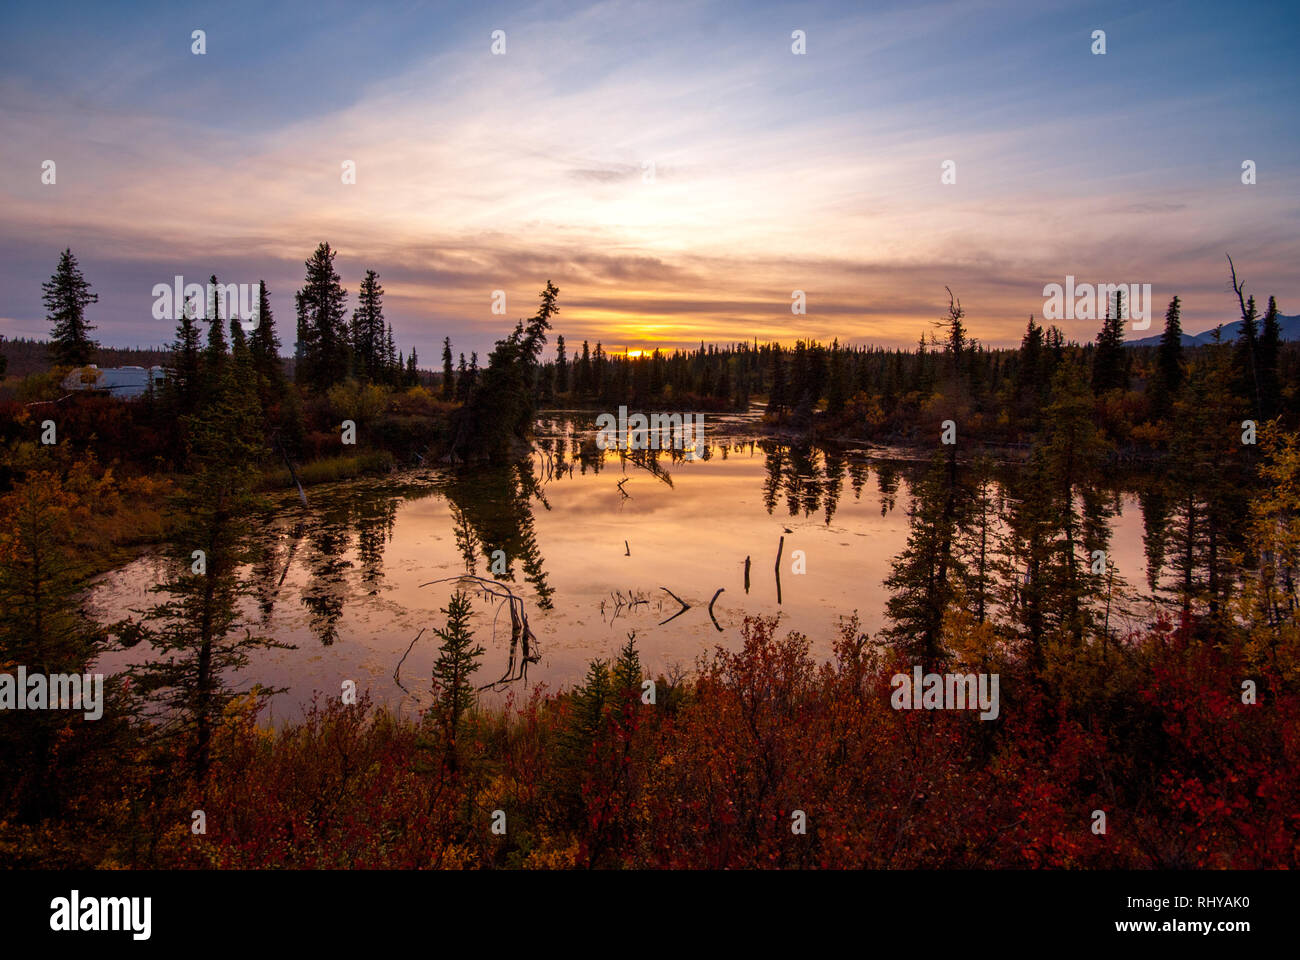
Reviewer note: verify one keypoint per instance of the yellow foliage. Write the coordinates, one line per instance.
(553, 854)
(356, 401)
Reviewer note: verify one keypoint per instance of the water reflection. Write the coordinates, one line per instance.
(493, 511)
(598, 543)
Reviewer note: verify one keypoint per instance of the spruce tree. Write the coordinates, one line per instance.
(214, 356)
(583, 376)
(924, 574)
(561, 367)
(322, 341)
(1169, 373)
(45, 570)
(1110, 361)
(777, 400)
(1270, 345)
(1073, 451)
(462, 381)
(184, 386)
(457, 661)
(627, 675)
(448, 380)
(1030, 380)
(1246, 359)
(66, 296)
(368, 328)
(590, 704)
(534, 336)
(264, 346)
(391, 362)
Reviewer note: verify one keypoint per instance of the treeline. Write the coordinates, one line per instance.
(710, 378)
(25, 356)
(1001, 396)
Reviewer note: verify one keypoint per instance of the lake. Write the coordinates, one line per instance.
(593, 542)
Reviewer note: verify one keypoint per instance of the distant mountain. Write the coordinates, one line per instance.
(1288, 327)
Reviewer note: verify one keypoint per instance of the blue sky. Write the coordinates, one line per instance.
(772, 172)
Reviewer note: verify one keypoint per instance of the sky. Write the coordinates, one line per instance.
(674, 168)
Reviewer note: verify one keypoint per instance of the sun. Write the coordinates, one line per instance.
(635, 353)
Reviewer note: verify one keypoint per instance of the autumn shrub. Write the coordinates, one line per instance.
(763, 758)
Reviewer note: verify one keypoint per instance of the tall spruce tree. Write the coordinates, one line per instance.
(1030, 379)
(1169, 373)
(1270, 345)
(322, 341)
(66, 296)
(561, 367)
(924, 574)
(264, 346)
(448, 378)
(534, 335)
(368, 329)
(1246, 359)
(214, 355)
(1110, 360)
(184, 384)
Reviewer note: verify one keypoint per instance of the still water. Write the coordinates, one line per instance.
(593, 542)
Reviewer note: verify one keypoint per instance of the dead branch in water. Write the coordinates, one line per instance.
(685, 606)
(398, 669)
(711, 603)
(779, 548)
(521, 634)
(623, 604)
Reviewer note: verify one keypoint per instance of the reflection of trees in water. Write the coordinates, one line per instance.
(834, 463)
(887, 483)
(267, 571)
(1155, 530)
(371, 518)
(492, 510)
(328, 540)
(857, 476)
(810, 478)
(328, 535)
(375, 519)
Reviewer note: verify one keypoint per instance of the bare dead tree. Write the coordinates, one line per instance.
(522, 639)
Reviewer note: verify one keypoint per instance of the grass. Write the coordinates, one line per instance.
(331, 469)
